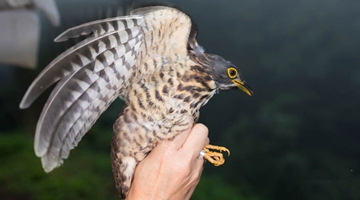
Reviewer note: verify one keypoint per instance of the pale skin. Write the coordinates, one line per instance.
(173, 169)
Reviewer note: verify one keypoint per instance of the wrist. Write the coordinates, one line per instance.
(143, 193)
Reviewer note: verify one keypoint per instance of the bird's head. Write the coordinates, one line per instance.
(226, 75)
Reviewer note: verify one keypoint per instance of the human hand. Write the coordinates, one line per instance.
(172, 170)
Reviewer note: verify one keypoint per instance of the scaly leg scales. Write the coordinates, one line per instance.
(216, 158)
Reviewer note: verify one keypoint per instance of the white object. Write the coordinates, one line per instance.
(202, 154)
(20, 30)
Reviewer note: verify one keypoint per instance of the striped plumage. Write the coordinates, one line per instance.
(91, 75)
(152, 61)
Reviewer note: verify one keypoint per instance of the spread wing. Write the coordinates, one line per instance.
(91, 74)
(97, 70)
(106, 35)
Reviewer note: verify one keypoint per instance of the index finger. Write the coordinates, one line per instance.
(178, 141)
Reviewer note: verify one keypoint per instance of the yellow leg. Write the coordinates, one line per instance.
(216, 158)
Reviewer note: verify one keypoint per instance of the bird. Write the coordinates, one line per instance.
(150, 59)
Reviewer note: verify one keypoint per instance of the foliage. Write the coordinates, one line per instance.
(85, 175)
(22, 177)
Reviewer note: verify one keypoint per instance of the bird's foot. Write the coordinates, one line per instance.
(214, 157)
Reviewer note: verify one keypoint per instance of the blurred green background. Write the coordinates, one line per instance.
(297, 138)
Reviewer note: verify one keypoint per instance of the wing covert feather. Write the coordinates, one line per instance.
(167, 32)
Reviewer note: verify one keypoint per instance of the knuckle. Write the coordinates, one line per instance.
(202, 128)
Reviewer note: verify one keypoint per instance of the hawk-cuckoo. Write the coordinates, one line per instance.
(152, 61)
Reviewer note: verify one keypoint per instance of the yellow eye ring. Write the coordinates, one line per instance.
(232, 72)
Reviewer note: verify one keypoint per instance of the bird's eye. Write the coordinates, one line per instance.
(232, 72)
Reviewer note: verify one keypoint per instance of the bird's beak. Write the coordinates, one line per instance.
(242, 85)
